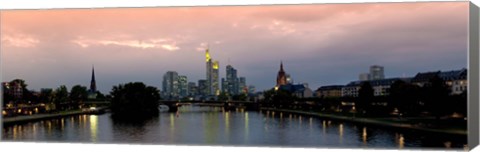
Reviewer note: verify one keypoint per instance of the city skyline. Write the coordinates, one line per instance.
(319, 44)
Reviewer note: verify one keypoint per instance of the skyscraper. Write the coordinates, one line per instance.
(242, 84)
(202, 87)
(192, 89)
(232, 86)
(212, 75)
(170, 85)
(281, 77)
(224, 85)
(364, 76)
(182, 86)
(376, 72)
(215, 78)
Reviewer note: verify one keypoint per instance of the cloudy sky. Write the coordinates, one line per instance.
(319, 44)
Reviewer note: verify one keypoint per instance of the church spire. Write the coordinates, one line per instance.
(281, 77)
(281, 66)
(93, 86)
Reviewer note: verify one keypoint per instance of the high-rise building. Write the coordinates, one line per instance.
(364, 76)
(232, 83)
(224, 86)
(376, 72)
(242, 84)
(182, 86)
(281, 77)
(212, 75)
(192, 89)
(170, 85)
(215, 90)
(202, 87)
(251, 89)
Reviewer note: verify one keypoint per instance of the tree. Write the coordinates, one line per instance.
(46, 95)
(404, 97)
(239, 97)
(134, 101)
(223, 96)
(61, 97)
(280, 98)
(365, 97)
(436, 94)
(100, 96)
(23, 87)
(78, 94)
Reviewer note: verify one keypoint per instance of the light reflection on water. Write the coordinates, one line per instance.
(213, 126)
(93, 127)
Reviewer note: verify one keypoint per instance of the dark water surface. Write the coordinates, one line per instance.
(212, 126)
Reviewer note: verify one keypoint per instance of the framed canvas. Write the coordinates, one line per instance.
(384, 75)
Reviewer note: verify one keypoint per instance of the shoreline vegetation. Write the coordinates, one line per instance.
(402, 123)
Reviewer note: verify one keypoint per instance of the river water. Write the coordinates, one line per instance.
(194, 125)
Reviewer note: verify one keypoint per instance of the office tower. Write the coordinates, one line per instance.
(192, 89)
(170, 85)
(232, 80)
(202, 87)
(376, 72)
(364, 76)
(182, 86)
(212, 75)
(242, 85)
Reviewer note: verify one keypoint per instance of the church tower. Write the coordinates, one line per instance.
(92, 92)
(93, 86)
(281, 77)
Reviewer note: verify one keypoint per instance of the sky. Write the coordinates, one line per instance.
(322, 44)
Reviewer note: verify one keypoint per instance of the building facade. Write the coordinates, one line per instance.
(331, 91)
(380, 87)
(364, 76)
(202, 87)
(232, 81)
(170, 85)
(281, 76)
(212, 74)
(182, 86)
(376, 72)
(192, 89)
(456, 80)
(242, 85)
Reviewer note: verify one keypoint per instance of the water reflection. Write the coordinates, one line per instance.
(364, 136)
(227, 124)
(172, 127)
(401, 142)
(246, 127)
(210, 126)
(93, 127)
(340, 132)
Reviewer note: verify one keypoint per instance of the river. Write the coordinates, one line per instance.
(194, 125)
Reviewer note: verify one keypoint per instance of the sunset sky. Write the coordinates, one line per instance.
(323, 44)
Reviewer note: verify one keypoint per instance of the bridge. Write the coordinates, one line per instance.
(227, 105)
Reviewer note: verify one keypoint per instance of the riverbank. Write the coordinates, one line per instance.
(404, 124)
(37, 117)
